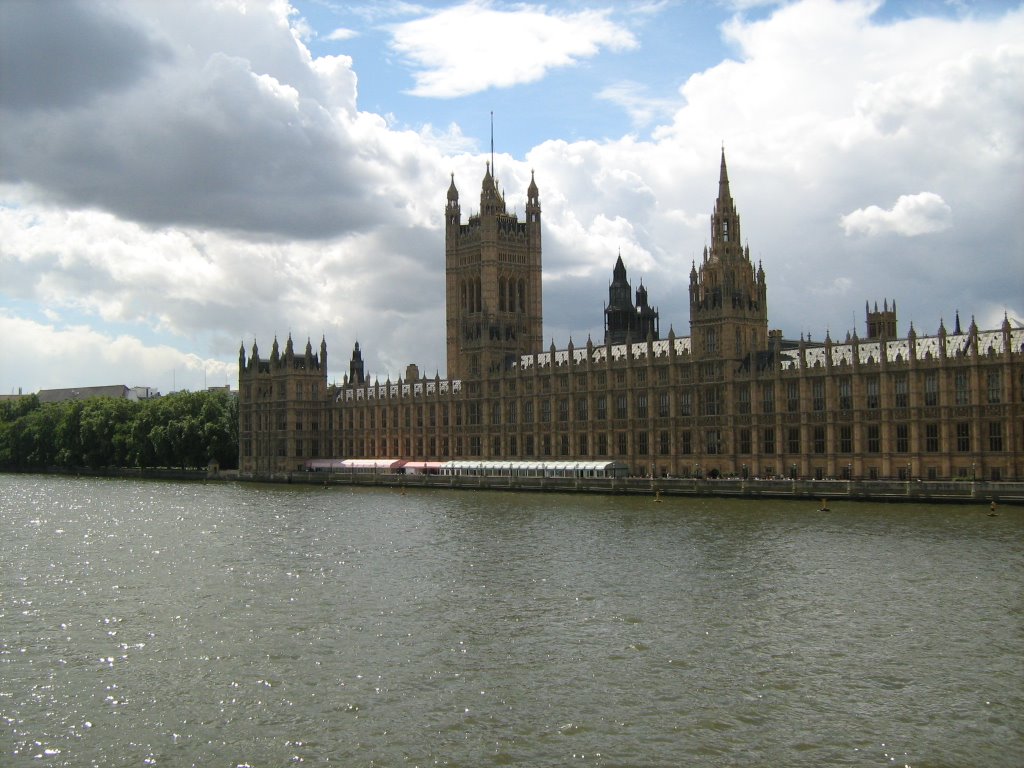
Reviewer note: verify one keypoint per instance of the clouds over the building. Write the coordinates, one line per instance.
(204, 177)
(228, 124)
(911, 215)
(475, 46)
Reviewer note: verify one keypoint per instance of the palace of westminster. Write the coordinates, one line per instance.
(731, 399)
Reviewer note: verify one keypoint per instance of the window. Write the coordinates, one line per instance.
(902, 438)
(620, 406)
(845, 438)
(900, 385)
(873, 400)
(768, 398)
(793, 440)
(685, 442)
(583, 445)
(931, 438)
(641, 405)
(564, 443)
(743, 399)
(711, 405)
(663, 401)
(711, 340)
(663, 442)
(963, 436)
(819, 439)
(602, 444)
(768, 440)
(581, 409)
(495, 446)
(874, 438)
(641, 376)
(512, 412)
(845, 394)
(995, 387)
(563, 409)
(641, 443)
(495, 414)
(995, 436)
(528, 413)
(745, 441)
(545, 411)
(793, 396)
(713, 441)
(685, 404)
(512, 446)
(602, 407)
(931, 388)
(818, 395)
(963, 393)
(623, 444)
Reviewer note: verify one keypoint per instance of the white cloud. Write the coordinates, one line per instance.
(472, 47)
(911, 215)
(634, 98)
(342, 33)
(95, 358)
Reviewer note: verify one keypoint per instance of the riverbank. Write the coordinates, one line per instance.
(963, 492)
(954, 492)
(154, 473)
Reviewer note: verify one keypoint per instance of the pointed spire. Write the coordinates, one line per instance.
(619, 271)
(723, 179)
(453, 192)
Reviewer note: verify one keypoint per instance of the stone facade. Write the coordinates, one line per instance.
(731, 399)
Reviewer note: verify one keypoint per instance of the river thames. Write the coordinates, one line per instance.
(223, 624)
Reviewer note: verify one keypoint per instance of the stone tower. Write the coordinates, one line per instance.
(493, 303)
(881, 324)
(624, 321)
(728, 298)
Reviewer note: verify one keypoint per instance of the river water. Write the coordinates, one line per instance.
(177, 624)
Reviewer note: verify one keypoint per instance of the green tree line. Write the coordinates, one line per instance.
(184, 430)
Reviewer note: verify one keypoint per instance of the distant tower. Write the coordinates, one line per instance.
(882, 323)
(622, 320)
(356, 374)
(728, 298)
(492, 282)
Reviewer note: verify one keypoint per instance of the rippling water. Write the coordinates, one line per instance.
(150, 623)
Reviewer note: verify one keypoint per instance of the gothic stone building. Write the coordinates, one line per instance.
(731, 399)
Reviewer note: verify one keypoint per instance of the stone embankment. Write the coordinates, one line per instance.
(873, 490)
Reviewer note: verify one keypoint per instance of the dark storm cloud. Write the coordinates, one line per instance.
(59, 54)
(202, 138)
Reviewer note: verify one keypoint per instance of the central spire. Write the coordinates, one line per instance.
(723, 184)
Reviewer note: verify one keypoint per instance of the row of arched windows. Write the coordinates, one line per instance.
(511, 295)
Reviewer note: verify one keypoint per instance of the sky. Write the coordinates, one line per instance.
(179, 179)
